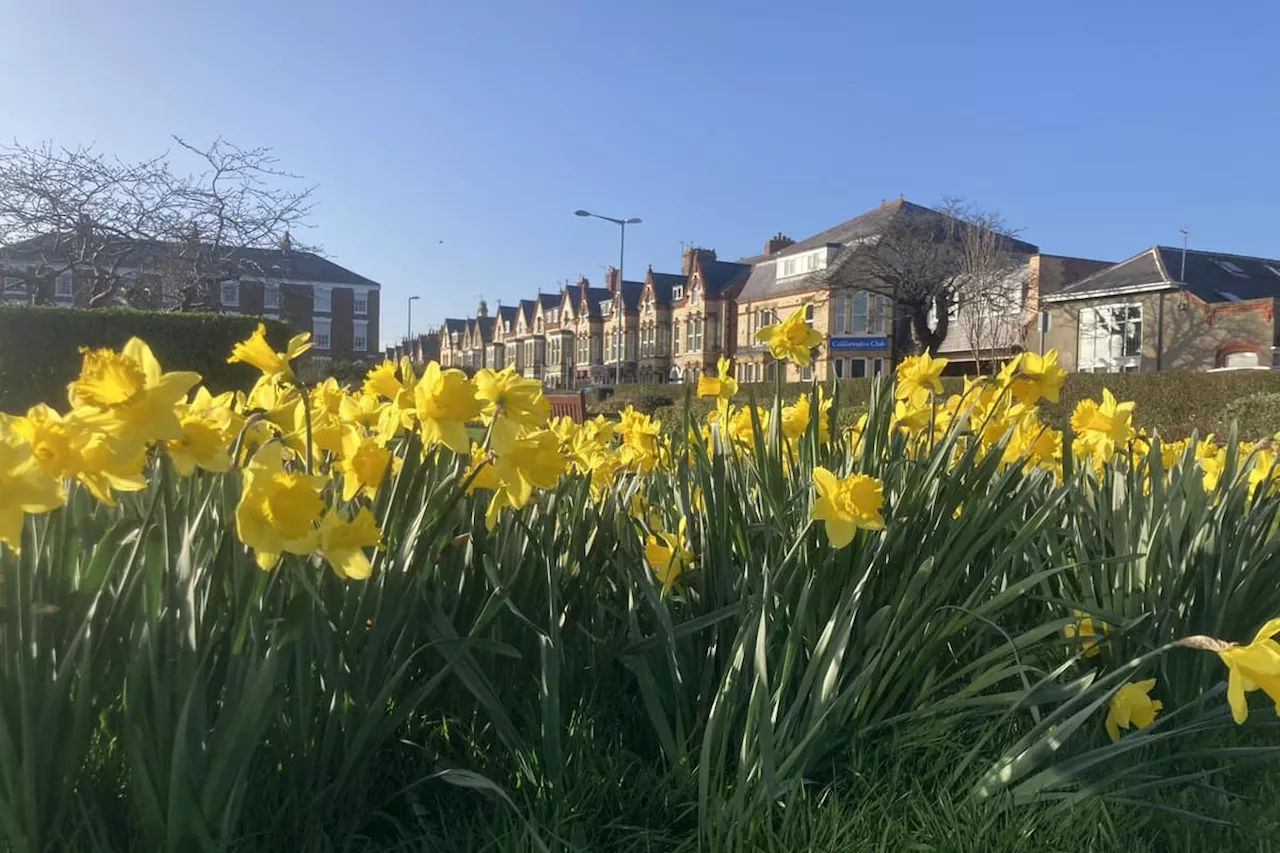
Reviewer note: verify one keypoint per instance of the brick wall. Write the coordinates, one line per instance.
(342, 305)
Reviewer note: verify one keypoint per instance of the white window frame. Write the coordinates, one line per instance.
(322, 299)
(677, 292)
(837, 365)
(270, 296)
(229, 289)
(877, 366)
(853, 374)
(322, 332)
(806, 373)
(1101, 344)
(360, 335)
(64, 285)
(360, 303)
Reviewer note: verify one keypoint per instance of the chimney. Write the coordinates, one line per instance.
(611, 279)
(777, 243)
(286, 243)
(692, 256)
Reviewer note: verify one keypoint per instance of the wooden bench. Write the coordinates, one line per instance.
(568, 404)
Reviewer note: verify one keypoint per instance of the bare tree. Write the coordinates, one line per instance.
(990, 286)
(919, 258)
(142, 233)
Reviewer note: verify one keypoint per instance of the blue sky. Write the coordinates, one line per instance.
(452, 141)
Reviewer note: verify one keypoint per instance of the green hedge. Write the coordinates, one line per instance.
(39, 347)
(1176, 403)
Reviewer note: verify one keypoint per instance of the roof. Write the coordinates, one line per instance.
(507, 313)
(631, 292)
(525, 309)
(763, 282)
(663, 282)
(294, 264)
(595, 296)
(485, 325)
(452, 324)
(548, 300)
(719, 276)
(1210, 276)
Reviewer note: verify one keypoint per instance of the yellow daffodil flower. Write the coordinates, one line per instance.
(520, 465)
(255, 351)
(722, 386)
(1131, 706)
(1037, 376)
(919, 372)
(278, 508)
(342, 543)
(792, 339)
(127, 396)
(364, 461)
(445, 401)
(1086, 632)
(511, 402)
(848, 504)
(1253, 667)
(667, 556)
(1103, 428)
(24, 486)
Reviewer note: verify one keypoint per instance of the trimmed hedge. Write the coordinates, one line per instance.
(39, 347)
(1175, 403)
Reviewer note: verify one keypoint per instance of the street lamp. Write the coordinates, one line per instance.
(622, 251)
(409, 332)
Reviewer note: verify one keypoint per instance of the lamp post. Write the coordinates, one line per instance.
(622, 252)
(408, 335)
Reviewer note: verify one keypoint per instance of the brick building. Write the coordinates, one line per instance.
(1166, 309)
(339, 307)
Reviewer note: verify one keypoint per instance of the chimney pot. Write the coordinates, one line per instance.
(776, 244)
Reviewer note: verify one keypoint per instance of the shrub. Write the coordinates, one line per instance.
(39, 347)
(1256, 416)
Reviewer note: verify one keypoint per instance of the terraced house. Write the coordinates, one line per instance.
(673, 327)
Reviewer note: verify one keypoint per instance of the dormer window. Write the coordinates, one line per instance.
(677, 292)
(802, 264)
(693, 295)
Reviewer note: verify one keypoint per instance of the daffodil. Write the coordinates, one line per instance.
(1253, 667)
(792, 339)
(846, 505)
(24, 486)
(446, 400)
(127, 396)
(520, 465)
(1103, 428)
(1131, 706)
(511, 402)
(1084, 630)
(208, 430)
(1037, 376)
(919, 372)
(255, 351)
(667, 556)
(795, 418)
(278, 508)
(103, 471)
(722, 386)
(398, 384)
(342, 543)
(364, 462)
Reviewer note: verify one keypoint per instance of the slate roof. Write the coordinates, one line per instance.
(548, 300)
(452, 324)
(631, 291)
(596, 296)
(719, 276)
(663, 282)
(294, 264)
(526, 310)
(1210, 276)
(763, 282)
(485, 325)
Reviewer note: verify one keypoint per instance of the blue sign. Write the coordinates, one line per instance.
(859, 343)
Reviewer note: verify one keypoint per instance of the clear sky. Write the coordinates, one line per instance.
(451, 142)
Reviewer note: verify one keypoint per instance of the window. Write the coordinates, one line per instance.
(323, 299)
(877, 366)
(693, 295)
(631, 346)
(790, 266)
(271, 297)
(677, 292)
(360, 303)
(675, 337)
(320, 333)
(808, 313)
(231, 293)
(360, 335)
(15, 289)
(697, 334)
(857, 368)
(838, 364)
(858, 319)
(1231, 267)
(1110, 338)
(64, 286)
(806, 373)
(713, 332)
(664, 340)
